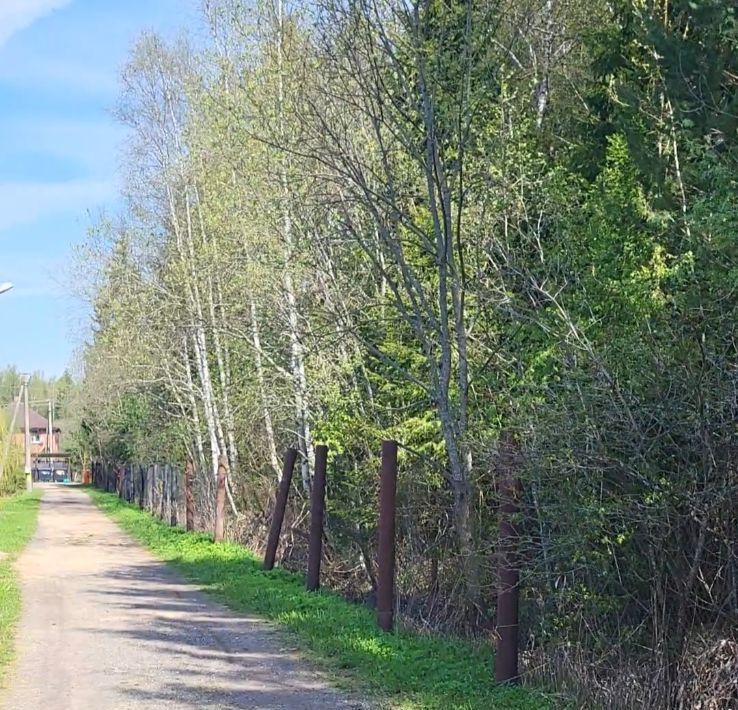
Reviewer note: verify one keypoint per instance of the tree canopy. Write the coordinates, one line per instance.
(453, 224)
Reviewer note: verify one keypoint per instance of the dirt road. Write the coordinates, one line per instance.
(106, 627)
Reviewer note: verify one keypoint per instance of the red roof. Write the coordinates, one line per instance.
(36, 421)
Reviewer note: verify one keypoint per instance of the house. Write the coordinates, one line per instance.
(41, 441)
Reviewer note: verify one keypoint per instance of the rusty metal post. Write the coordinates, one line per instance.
(151, 475)
(189, 496)
(162, 490)
(317, 513)
(386, 548)
(508, 593)
(154, 489)
(220, 500)
(290, 456)
(173, 498)
(167, 508)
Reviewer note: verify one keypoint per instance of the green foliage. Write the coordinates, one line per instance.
(440, 226)
(14, 478)
(17, 525)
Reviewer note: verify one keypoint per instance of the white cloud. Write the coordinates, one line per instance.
(16, 15)
(25, 202)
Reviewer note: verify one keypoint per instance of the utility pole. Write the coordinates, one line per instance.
(50, 430)
(27, 428)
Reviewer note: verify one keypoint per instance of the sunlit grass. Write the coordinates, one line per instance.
(404, 669)
(18, 517)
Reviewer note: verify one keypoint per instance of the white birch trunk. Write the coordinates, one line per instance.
(194, 408)
(297, 354)
(268, 426)
(221, 355)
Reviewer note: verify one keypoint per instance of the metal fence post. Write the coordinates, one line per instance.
(154, 490)
(162, 471)
(151, 477)
(173, 495)
(317, 513)
(189, 496)
(290, 456)
(167, 507)
(220, 500)
(386, 546)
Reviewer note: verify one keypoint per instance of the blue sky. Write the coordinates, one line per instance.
(59, 150)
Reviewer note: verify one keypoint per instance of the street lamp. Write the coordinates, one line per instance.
(5, 286)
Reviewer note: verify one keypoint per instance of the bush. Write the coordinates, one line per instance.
(12, 482)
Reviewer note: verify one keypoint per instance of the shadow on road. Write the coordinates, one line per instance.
(199, 653)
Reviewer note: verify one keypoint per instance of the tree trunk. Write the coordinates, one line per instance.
(462, 513)
(297, 353)
(268, 426)
(220, 500)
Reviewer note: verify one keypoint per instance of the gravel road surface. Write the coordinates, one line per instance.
(106, 626)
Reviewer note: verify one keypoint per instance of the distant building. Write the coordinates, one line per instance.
(41, 439)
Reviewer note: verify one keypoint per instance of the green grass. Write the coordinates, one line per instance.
(405, 670)
(17, 524)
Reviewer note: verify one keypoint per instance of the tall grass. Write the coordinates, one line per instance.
(17, 524)
(13, 477)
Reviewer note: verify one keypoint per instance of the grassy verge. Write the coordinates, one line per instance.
(17, 524)
(407, 669)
